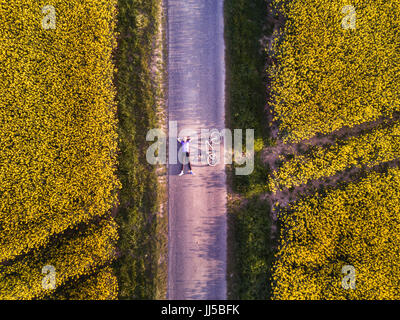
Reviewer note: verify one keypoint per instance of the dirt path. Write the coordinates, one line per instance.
(197, 204)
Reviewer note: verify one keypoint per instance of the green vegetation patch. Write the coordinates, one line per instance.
(136, 267)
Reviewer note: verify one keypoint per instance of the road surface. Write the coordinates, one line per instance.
(196, 100)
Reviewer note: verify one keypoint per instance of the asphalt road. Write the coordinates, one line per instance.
(196, 100)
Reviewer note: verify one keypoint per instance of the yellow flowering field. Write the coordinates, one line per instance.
(101, 285)
(366, 150)
(338, 64)
(71, 258)
(58, 134)
(358, 226)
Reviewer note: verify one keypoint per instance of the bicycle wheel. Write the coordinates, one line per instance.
(212, 160)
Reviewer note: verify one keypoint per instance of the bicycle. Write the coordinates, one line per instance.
(211, 152)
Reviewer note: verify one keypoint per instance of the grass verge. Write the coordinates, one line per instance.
(250, 248)
(141, 263)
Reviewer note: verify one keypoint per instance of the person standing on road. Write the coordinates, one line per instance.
(185, 147)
